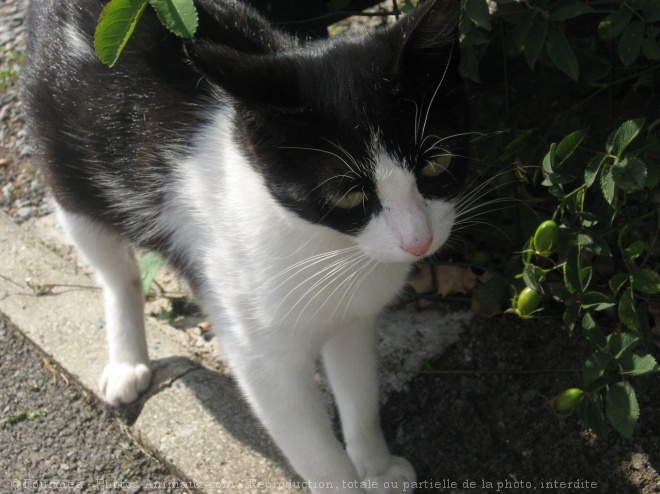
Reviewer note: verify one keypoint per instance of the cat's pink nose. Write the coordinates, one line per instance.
(418, 248)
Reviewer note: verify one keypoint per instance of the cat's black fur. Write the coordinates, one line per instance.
(288, 95)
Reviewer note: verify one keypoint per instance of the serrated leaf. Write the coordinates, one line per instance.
(617, 281)
(621, 138)
(179, 16)
(591, 413)
(477, 11)
(650, 48)
(597, 301)
(530, 278)
(646, 281)
(653, 176)
(562, 55)
(569, 9)
(490, 295)
(651, 11)
(592, 169)
(593, 243)
(627, 311)
(622, 408)
(592, 332)
(630, 42)
(149, 265)
(623, 343)
(595, 366)
(586, 273)
(615, 23)
(535, 41)
(629, 174)
(569, 144)
(607, 185)
(572, 270)
(637, 364)
(116, 24)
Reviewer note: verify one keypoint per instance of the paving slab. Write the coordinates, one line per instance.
(194, 417)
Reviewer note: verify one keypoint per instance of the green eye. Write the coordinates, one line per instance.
(348, 201)
(436, 166)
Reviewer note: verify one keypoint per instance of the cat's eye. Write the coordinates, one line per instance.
(436, 166)
(348, 201)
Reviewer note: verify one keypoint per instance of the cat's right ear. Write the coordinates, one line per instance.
(427, 41)
(270, 80)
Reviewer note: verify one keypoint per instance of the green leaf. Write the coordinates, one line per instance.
(615, 23)
(477, 11)
(572, 276)
(530, 278)
(569, 9)
(607, 185)
(591, 413)
(637, 364)
(653, 176)
(593, 243)
(570, 316)
(623, 343)
(149, 265)
(523, 26)
(116, 24)
(621, 138)
(469, 65)
(646, 281)
(406, 8)
(630, 42)
(651, 11)
(179, 16)
(634, 250)
(597, 301)
(569, 144)
(535, 41)
(595, 366)
(622, 408)
(592, 332)
(627, 310)
(592, 169)
(617, 281)
(490, 295)
(561, 53)
(629, 174)
(650, 47)
(586, 273)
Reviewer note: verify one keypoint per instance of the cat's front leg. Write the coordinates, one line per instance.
(276, 373)
(127, 374)
(351, 366)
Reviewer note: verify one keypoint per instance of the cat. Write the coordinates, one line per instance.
(293, 183)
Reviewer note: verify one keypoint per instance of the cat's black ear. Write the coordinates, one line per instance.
(427, 42)
(269, 80)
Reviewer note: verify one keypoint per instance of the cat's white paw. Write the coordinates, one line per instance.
(396, 479)
(122, 383)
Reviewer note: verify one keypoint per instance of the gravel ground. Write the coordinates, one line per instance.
(56, 437)
(476, 417)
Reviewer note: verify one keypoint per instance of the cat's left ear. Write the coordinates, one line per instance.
(269, 80)
(427, 42)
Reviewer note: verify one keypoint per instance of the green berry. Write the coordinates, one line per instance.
(568, 400)
(546, 238)
(528, 301)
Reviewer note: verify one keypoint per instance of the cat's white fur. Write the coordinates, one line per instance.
(280, 291)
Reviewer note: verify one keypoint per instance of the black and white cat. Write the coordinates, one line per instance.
(292, 183)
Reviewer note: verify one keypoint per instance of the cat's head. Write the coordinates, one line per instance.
(363, 134)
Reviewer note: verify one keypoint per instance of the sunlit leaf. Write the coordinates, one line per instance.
(116, 24)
